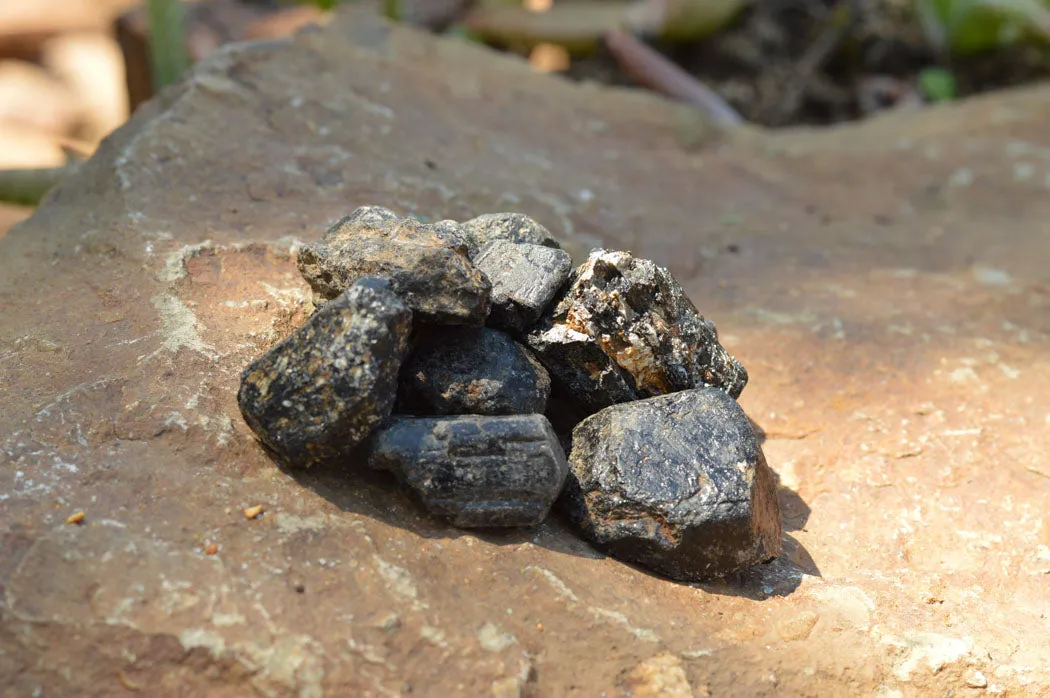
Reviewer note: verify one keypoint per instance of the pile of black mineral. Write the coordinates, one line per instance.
(466, 358)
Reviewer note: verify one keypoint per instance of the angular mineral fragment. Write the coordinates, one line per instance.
(624, 329)
(512, 227)
(328, 385)
(677, 484)
(428, 268)
(475, 471)
(471, 371)
(524, 278)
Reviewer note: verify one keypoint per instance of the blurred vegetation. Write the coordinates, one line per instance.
(954, 31)
(968, 27)
(937, 84)
(169, 55)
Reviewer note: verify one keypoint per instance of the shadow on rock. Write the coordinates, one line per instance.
(778, 578)
(378, 495)
(353, 486)
(782, 576)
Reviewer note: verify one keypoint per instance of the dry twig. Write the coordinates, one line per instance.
(652, 70)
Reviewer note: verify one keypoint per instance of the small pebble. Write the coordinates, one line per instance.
(976, 680)
(252, 512)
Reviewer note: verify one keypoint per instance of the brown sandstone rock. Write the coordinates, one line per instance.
(897, 352)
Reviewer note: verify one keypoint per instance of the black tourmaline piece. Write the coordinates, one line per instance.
(326, 387)
(624, 330)
(512, 227)
(475, 471)
(525, 278)
(468, 358)
(677, 484)
(426, 265)
(471, 371)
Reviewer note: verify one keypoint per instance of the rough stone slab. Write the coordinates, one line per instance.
(867, 297)
(624, 329)
(424, 265)
(324, 389)
(478, 232)
(677, 484)
(471, 371)
(476, 471)
(525, 278)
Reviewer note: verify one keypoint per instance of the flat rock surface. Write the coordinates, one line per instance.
(885, 285)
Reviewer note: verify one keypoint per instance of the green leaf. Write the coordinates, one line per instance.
(169, 56)
(966, 27)
(937, 84)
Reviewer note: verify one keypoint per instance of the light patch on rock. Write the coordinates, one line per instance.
(399, 581)
(932, 649)
(961, 178)
(995, 278)
(509, 687)
(662, 675)
(294, 663)
(289, 524)
(179, 327)
(225, 430)
(370, 653)
(493, 639)
(298, 295)
(1023, 171)
(224, 620)
(192, 638)
(887, 692)
(773, 317)
(848, 602)
(435, 636)
(963, 374)
(597, 613)
(174, 267)
(46, 410)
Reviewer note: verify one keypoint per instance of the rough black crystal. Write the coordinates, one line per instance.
(471, 371)
(624, 329)
(512, 227)
(524, 278)
(676, 483)
(328, 385)
(426, 265)
(475, 471)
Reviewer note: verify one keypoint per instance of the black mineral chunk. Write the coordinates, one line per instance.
(426, 265)
(624, 329)
(471, 371)
(475, 471)
(512, 227)
(677, 484)
(329, 385)
(525, 278)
